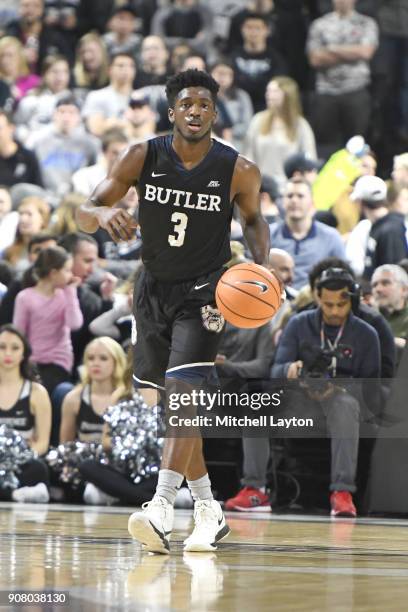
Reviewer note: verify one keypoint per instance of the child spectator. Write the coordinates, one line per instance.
(48, 312)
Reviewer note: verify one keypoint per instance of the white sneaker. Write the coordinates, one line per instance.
(153, 526)
(34, 495)
(95, 497)
(210, 527)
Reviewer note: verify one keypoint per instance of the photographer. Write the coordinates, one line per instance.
(327, 343)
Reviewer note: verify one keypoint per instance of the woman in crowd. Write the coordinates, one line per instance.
(92, 61)
(37, 108)
(26, 408)
(83, 408)
(236, 100)
(34, 216)
(48, 312)
(279, 131)
(14, 69)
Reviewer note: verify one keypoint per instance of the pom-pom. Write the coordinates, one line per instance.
(14, 452)
(64, 460)
(137, 438)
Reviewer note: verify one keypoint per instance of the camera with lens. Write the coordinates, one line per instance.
(322, 362)
(320, 368)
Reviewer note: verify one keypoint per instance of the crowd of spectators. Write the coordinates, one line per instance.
(80, 80)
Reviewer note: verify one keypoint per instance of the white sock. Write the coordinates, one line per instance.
(95, 497)
(168, 484)
(36, 495)
(201, 488)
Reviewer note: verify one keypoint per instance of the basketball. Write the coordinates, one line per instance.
(248, 295)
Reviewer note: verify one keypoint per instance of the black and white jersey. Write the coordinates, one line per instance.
(184, 214)
(19, 416)
(89, 423)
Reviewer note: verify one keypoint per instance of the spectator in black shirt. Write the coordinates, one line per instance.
(255, 63)
(387, 243)
(263, 7)
(184, 20)
(90, 19)
(61, 16)
(17, 164)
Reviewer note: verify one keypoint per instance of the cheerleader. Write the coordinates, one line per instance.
(25, 407)
(108, 484)
(83, 408)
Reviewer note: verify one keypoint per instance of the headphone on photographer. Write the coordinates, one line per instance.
(339, 276)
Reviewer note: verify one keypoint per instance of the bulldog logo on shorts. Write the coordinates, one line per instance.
(212, 319)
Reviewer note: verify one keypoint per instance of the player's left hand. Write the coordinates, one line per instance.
(281, 283)
(117, 222)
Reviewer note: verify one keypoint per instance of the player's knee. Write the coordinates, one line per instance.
(189, 375)
(183, 386)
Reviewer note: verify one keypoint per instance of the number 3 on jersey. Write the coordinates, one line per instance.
(180, 220)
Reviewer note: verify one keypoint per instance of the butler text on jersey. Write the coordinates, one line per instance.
(177, 197)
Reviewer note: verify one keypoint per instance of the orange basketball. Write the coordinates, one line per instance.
(248, 295)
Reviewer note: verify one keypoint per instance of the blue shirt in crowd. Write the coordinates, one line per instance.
(322, 241)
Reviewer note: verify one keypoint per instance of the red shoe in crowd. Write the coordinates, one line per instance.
(249, 499)
(342, 504)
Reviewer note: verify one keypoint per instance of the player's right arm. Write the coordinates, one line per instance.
(245, 188)
(100, 211)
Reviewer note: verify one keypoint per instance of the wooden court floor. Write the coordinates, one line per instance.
(280, 563)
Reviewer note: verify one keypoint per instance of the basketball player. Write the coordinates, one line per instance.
(187, 184)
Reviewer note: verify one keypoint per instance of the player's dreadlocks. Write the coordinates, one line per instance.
(190, 78)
